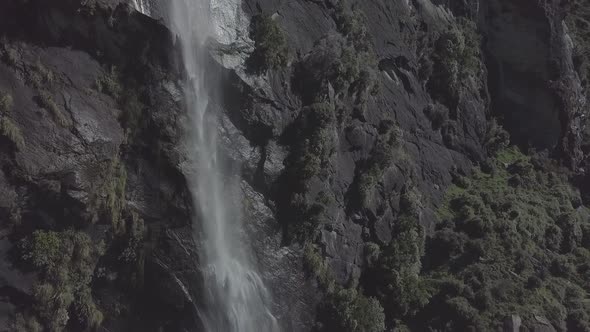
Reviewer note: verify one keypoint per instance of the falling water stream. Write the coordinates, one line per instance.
(235, 298)
(143, 6)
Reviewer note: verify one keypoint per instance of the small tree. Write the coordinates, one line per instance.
(349, 310)
(270, 50)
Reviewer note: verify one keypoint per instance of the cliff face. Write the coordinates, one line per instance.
(347, 150)
(99, 155)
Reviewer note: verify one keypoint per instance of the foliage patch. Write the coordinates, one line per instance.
(66, 262)
(270, 50)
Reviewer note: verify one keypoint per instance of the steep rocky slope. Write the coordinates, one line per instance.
(380, 192)
(98, 156)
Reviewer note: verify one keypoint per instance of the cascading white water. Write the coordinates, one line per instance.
(235, 296)
(142, 6)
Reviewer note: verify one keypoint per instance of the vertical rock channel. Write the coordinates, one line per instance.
(235, 297)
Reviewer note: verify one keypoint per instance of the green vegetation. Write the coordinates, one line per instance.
(315, 150)
(438, 115)
(382, 156)
(46, 74)
(131, 118)
(110, 83)
(66, 262)
(126, 96)
(130, 252)
(8, 53)
(310, 158)
(511, 240)
(6, 103)
(113, 188)
(497, 139)
(456, 57)
(315, 265)
(355, 71)
(46, 101)
(270, 51)
(348, 310)
(7, 128)
(134, 240)
(394, 269)
(352, 75)
(38, 75)
(343, 309)
(25, 323)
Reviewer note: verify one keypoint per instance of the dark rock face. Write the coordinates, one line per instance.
(55, 180)
(526, 77)
(533, 82)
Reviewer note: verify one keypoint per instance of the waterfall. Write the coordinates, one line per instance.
(235, 298)
(142, 6)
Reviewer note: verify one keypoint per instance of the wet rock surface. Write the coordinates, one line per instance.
(54, 181)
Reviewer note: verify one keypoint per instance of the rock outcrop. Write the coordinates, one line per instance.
(95, 93)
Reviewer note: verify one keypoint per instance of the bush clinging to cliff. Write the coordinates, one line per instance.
(270, 50)
(456, 57)
(109, 83)
(5, 103)
(66, 263)
(7, 128)
(47, 102)
(349, 310)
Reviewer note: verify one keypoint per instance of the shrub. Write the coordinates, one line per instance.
(9, 53)
(270, 50)
(474, 227)
(585, 235)
(86, 310)
(389, 141)
(367, 182)
(46, 74)
(410, 202)
(317, 145)
(25, 323)
(437, 114)
(114, 188)
(351, 23)
(354, 71)
(553, 238)
(38, 75)
(46, 101)
(456, 57)
(51, 302)
(6, 103)
(571, 229)
(382, 157)
(9, 130)
(348, 310)
(134, 240)
(66, 261)
(315, 265)
(397, 281)
(518, 234)
(43, 250)
(372, 252)
(109, 83)
(462, 310)
(131, 117)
